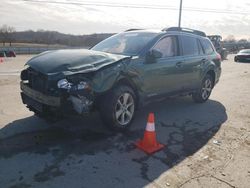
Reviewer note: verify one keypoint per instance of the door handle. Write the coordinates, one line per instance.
(179, 64)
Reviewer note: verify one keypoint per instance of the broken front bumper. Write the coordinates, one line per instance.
(40, 97)
(66, 105)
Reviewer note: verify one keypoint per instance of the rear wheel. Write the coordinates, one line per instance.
(204, 91)
(117, 108)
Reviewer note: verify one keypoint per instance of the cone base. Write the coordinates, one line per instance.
(149, 150)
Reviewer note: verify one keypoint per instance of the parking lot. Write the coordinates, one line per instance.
(206, 145)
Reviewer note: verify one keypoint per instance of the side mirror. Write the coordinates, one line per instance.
(152, 55)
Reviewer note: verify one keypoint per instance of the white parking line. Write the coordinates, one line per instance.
(10, 73)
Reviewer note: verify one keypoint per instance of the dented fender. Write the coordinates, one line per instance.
(106, 78)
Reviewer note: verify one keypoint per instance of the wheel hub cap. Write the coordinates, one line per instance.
(124, 109)
(206, 89)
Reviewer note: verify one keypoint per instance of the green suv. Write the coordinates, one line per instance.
(120, 74)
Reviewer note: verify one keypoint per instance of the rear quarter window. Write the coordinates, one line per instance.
(189, 45)
(207, 46)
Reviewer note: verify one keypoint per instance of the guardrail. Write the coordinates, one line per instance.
(36, 50)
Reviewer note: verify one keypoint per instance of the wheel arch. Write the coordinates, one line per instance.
(127, 82)
(212, 74)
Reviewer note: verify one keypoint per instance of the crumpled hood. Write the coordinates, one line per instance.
(76, 60)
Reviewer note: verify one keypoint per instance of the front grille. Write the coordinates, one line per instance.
(37, 81)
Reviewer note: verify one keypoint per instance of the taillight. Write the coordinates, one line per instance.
(218, 57)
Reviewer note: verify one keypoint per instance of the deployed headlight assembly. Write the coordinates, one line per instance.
(64, 84)
(83, 85)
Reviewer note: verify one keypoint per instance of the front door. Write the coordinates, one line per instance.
(164, 75)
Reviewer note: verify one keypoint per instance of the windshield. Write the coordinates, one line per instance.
(130, 43)
(245, 51)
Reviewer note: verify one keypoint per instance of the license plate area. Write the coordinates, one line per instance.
(40, 97)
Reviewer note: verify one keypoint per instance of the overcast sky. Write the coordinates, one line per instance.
(79, 18)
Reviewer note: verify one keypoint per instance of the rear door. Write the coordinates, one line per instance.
(193, 60)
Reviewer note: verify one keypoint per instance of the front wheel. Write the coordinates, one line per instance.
(204, 91)
(117, 108)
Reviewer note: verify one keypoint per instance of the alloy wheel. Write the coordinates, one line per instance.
(206, 89)
(124, 109)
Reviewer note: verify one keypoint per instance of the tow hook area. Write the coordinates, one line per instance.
(81, 104)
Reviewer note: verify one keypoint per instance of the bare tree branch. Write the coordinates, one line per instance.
(6, 34)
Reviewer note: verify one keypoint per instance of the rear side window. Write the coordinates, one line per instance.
(207, 46)
(189, 45)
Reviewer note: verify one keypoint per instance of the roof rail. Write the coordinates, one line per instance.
(133, 30)
(187, 30)
(214, 36)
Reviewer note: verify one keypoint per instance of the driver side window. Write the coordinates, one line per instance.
(167, 46)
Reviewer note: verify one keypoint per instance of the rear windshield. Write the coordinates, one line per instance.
(128, 43)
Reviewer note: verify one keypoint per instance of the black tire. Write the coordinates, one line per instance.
(204, 91)
(235, 59)
(111, 105)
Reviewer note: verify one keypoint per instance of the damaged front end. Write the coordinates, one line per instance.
(68, 81)
(79, 93)
(44, 94)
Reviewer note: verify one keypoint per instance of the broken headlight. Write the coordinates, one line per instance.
(83, 85)
(64, 84)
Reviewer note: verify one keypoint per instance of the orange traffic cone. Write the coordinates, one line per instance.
(149, 143)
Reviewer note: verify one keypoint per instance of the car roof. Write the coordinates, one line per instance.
(175, 31)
